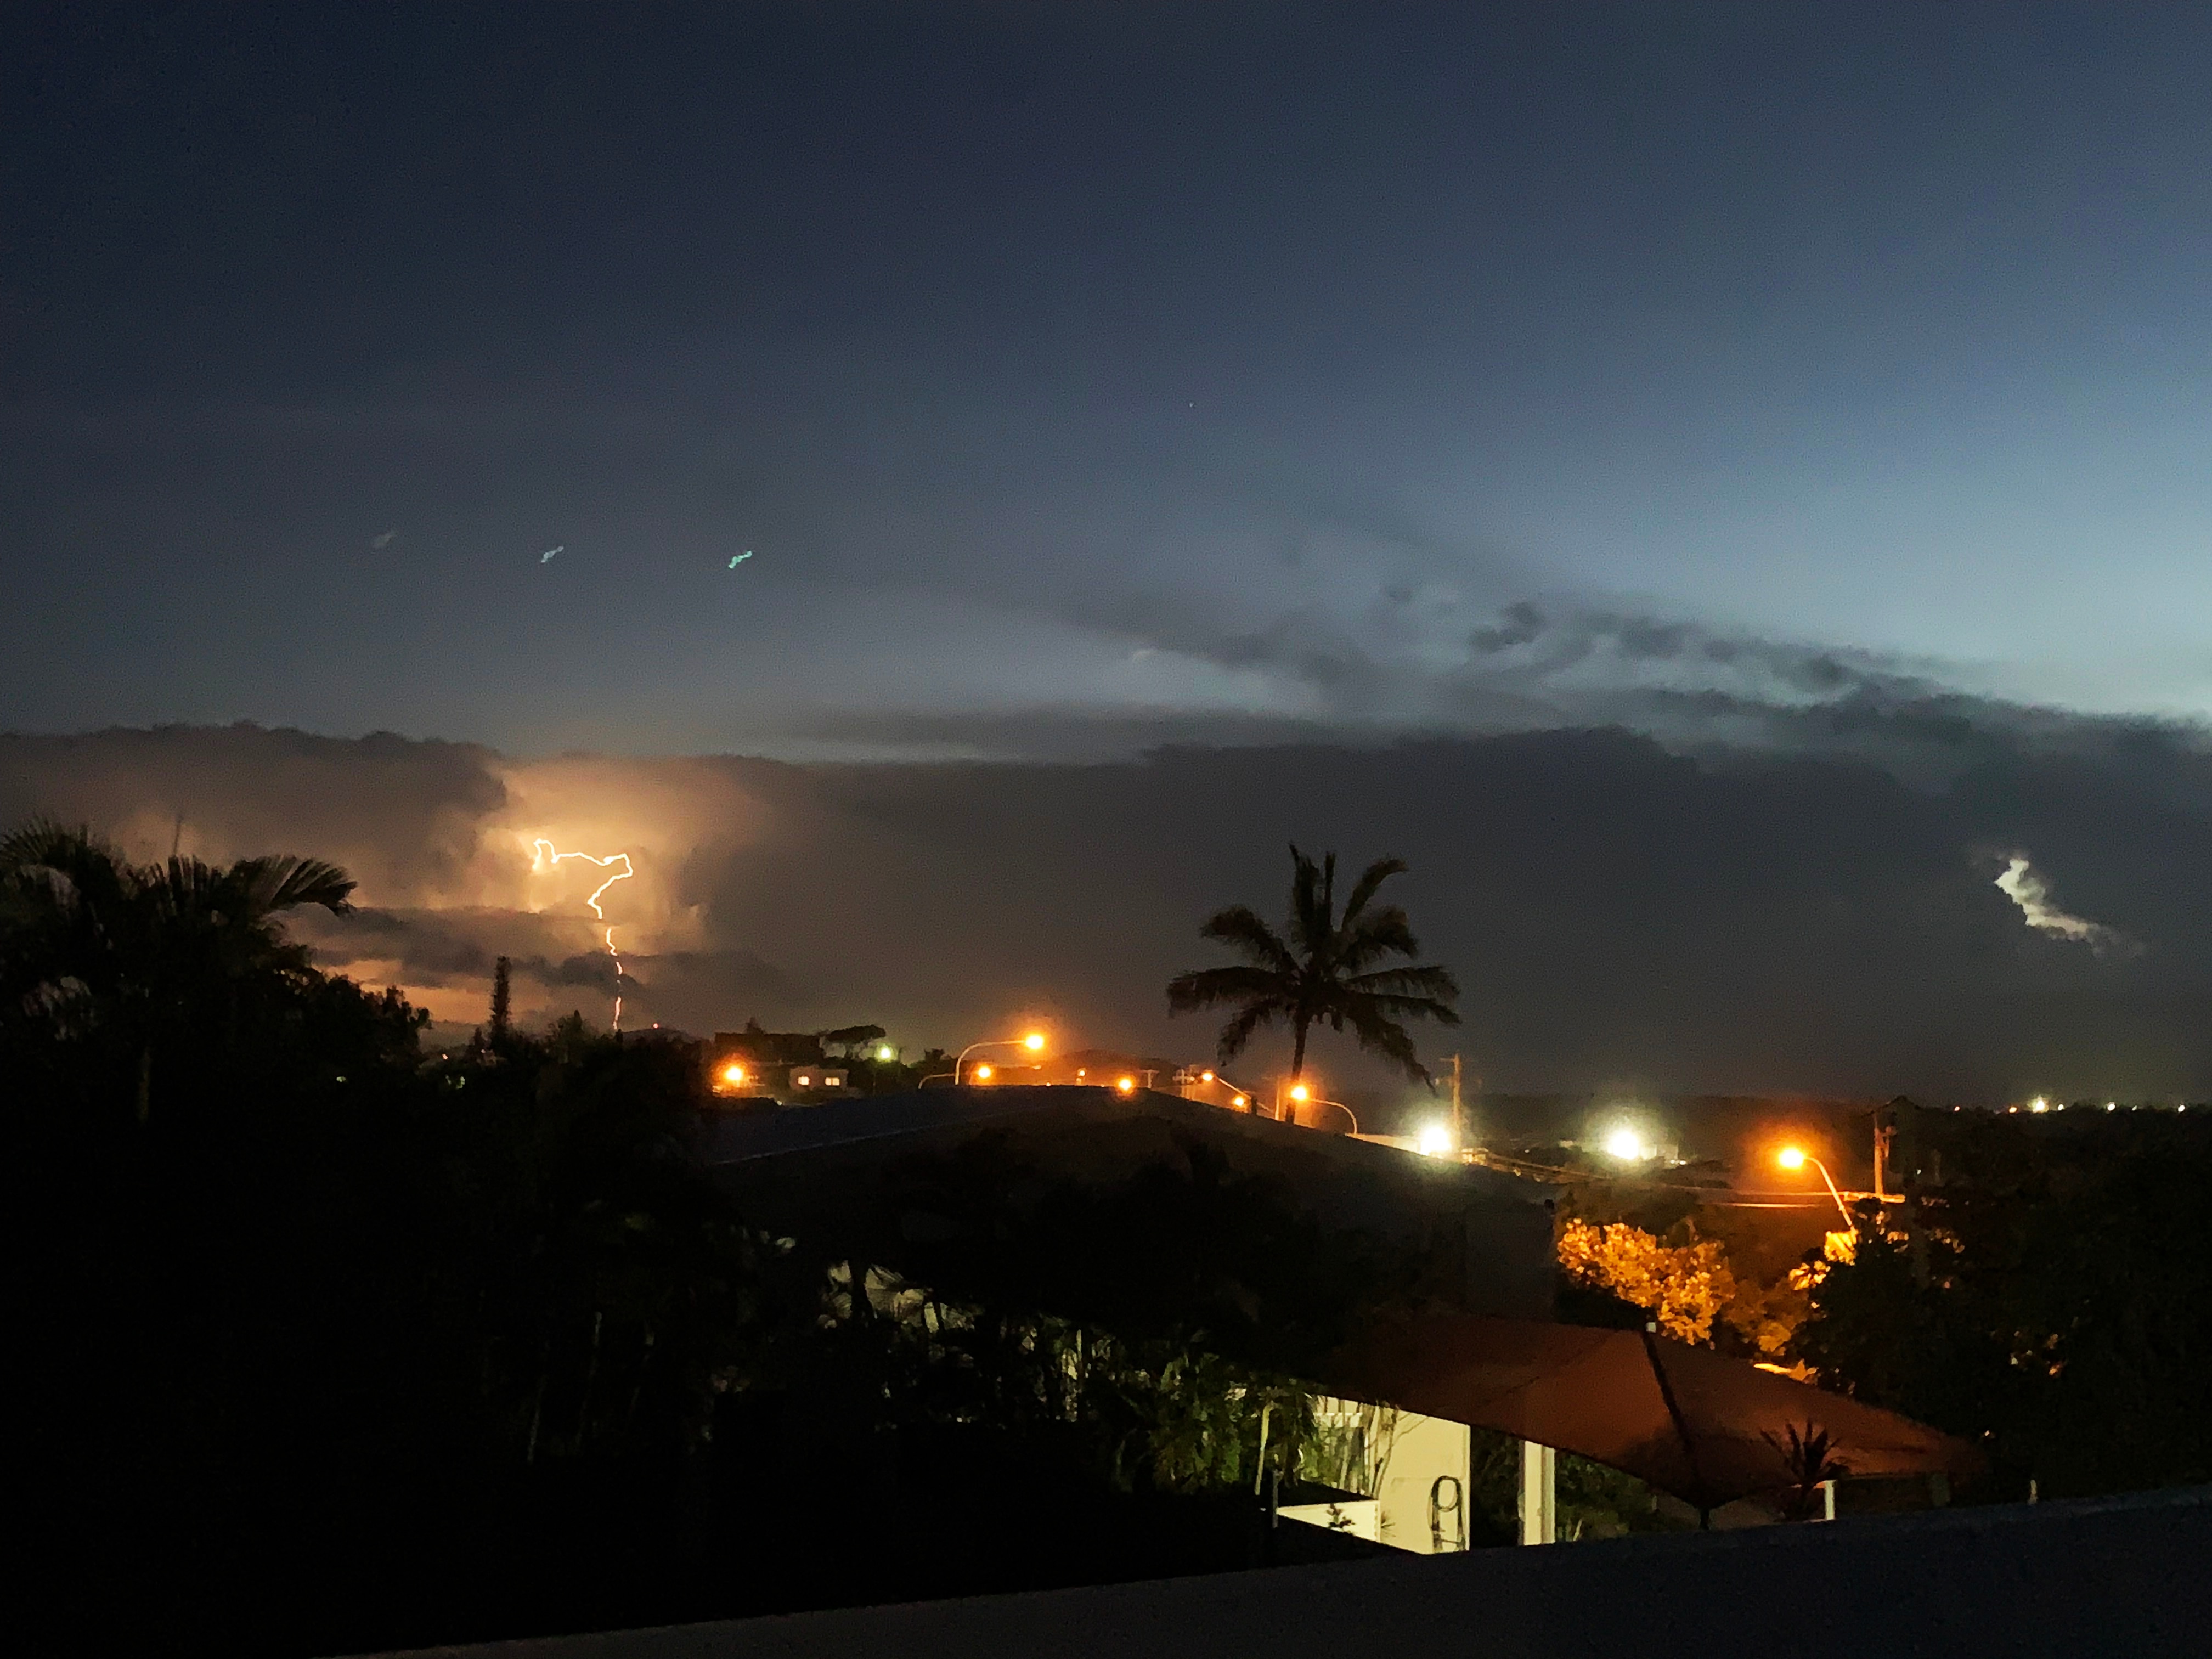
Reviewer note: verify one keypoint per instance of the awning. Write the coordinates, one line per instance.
(1685, 1419)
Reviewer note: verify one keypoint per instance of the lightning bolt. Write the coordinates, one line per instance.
(544, 856)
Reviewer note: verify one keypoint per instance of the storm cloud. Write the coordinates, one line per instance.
(1815, 911)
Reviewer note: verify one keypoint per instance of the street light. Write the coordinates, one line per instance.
(1796, 1157)
(1034, 1042)
(1304, 1096)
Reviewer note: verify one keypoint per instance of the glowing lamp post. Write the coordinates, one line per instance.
(1034, 1042)
(1239, 1099)
(1796, 1157)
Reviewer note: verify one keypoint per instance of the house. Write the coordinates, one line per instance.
(781, 1067)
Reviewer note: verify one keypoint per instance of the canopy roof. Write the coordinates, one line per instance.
(813, 1171)
(1689, 1421)
(1700, 1425)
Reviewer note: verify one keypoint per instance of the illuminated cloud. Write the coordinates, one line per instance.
(2027, 890)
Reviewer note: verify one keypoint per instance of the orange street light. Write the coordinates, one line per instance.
(1126, 1085)
(981, 1073)
(1034, 1042)
(733, 1075)
(1796, 1157)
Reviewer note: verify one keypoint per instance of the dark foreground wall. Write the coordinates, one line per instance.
(2126, 1576)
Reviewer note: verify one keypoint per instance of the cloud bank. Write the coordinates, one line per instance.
(1623, 913)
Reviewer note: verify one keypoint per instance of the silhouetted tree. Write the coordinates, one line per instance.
(1324, 972)
(503, 1001)
(174, 956)
(2051, 1297)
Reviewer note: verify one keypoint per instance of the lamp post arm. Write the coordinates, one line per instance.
(1849, 1220)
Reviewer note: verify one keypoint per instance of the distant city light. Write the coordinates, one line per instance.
(1435, 1140)
(2038, 1104)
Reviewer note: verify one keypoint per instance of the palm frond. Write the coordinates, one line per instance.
(285, 883)
(1313, 904)
(1240, 928)
(1409, 1007)
(1379, 934)
(1429, 979)
(44, 840)
(1239, 1031)
(1210, 987)
(1370, 881)
(1379, 1035)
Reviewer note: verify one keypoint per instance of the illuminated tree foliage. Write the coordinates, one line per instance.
(1683, 1287)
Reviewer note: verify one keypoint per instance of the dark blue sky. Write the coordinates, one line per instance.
(1371, 400)
(1221, 365)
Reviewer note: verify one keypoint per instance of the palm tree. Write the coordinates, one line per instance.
(1324, 972)
(97, 947)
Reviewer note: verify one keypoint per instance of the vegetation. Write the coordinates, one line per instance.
(2050, 1295)
(1322, 969)
(1682, 1286)
(337, 1344)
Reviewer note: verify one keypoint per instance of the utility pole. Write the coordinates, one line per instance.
(1883, 1133)
(1459, 1111)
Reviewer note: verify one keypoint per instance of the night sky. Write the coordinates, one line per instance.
(1715, 486)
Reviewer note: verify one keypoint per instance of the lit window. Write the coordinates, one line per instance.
(804, 1079)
